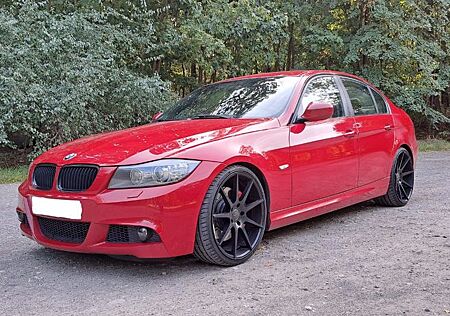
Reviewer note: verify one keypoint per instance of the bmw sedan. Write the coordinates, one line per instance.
(221, 167)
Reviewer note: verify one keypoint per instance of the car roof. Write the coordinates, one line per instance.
(296, 73)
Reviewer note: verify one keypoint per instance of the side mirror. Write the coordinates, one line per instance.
(156, 116)
(316, 111)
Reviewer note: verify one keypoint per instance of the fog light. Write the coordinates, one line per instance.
(22, 217)
(142, 233)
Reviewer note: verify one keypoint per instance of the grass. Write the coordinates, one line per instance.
(13, 174)
(433, 145)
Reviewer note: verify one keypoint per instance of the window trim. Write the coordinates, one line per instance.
(345, 98)
(335, 78)
(373, 100)
(372, 92)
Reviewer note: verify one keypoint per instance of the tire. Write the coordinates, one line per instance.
(232, 218)
(401, 182)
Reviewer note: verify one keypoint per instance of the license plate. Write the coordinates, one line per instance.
(70, 209)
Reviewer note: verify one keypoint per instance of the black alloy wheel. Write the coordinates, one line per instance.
(404, 176)
(402, 180)
(233, 218)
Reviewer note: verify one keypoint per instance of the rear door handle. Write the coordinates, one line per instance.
(350, 133)
(387, 127)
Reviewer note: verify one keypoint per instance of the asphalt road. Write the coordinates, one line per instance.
(362, 260)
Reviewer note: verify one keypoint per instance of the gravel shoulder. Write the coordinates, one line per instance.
(362, 260)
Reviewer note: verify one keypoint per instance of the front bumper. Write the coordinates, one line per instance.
(171, 211)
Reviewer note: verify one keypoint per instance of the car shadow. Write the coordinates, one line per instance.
(331, 218)
(187, 264)
(114, 262)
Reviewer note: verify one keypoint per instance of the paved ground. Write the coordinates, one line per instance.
(363, 260)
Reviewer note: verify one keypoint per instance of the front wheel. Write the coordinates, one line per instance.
(232, 218)
(402, 181)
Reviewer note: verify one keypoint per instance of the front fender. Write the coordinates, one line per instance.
(267, 150)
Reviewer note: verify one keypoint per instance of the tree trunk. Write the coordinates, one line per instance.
(200, 74)
(277, 59)
(364, 19)
(156, 66)
(193, 70)
(291, 47)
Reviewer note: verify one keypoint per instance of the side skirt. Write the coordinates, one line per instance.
(315, 208)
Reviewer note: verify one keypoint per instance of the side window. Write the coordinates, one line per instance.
(323, 89)
(360, 97)
(381, 105)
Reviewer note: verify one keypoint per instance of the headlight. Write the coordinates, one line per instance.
(151, 174)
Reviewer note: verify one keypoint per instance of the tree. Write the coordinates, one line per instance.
(63, 76)
(98, 63)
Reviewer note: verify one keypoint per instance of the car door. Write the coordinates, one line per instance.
(375, 130)
(324, 157)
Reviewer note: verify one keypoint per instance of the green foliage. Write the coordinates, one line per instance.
(70, 68)
(65, 76)
(402, 48)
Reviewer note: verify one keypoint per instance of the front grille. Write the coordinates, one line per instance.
(43, 176)
(128, 234)
(76, 178)
(71, 232)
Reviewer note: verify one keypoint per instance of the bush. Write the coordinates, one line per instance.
(63, 76)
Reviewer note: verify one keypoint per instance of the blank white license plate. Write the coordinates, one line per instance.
(70, 209)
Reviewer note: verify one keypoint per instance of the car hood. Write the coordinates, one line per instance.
(150, 142)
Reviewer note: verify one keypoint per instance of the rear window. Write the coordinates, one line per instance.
(360, 98)
(381, 104)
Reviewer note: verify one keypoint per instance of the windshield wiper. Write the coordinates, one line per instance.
(210, 116)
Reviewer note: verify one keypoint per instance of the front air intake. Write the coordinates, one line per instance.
(65, 231)
(129, 234)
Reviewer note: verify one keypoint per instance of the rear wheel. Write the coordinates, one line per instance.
(402, 181)
(232, 219)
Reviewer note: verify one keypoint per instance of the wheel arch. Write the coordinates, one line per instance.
(408, 148)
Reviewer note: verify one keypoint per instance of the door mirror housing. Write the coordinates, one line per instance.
(316, 111)
(156, 116)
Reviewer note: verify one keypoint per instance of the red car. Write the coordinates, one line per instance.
(223, 165)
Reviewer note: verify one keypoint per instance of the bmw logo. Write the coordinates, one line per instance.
(70, 156)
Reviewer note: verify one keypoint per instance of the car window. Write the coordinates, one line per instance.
(360, 97)
(381, 104)
(247, 98)
(323, 89)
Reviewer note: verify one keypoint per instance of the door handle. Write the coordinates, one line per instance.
(387, 127)
(349, 133)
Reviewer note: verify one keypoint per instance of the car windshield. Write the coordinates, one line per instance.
(246, 98)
